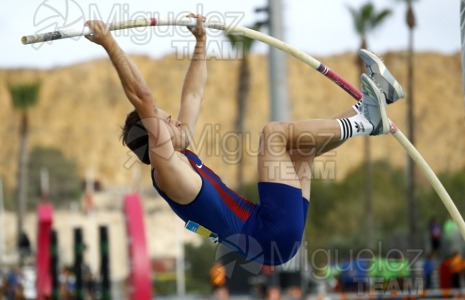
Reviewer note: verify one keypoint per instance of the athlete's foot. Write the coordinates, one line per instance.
(382, 77)
(374, 106)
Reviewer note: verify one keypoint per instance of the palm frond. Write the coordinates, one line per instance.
(380, 17)
(366, 18)
(240, 41)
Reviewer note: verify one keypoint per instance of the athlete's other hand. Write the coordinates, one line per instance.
(198, 31)
(100, 33)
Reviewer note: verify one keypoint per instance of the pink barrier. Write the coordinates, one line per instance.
(140, 285)
(44, 280)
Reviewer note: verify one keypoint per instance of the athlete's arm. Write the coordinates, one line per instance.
(138, 94)
(195, 80)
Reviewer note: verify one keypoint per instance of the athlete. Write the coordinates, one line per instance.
(269, 232)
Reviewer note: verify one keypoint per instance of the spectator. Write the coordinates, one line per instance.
(428, 268)
(88, 282)
(452, 240)
(354, 275)
(13, 287)
(456, 268)
(218, 281)
(445, 277)
(67, 283)
(435, 235)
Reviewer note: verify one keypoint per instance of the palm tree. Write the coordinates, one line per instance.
(412, 214)
(243, 43)
(366, 20)
(24, 96)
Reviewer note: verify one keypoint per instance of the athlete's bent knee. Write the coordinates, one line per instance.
(274, 134)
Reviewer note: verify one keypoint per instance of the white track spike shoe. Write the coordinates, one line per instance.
(382, 77)
(374, 106)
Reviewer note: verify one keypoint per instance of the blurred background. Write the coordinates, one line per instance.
(374, 224)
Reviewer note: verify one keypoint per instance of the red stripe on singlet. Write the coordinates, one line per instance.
(239, 211)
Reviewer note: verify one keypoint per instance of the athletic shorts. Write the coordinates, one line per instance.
(273, 233)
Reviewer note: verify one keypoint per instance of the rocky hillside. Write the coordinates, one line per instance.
(82, 107)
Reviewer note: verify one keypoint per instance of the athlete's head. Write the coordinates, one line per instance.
(135, 136)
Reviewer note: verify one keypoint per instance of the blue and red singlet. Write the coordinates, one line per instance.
(269, 233)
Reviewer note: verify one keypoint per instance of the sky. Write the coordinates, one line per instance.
(320, 28)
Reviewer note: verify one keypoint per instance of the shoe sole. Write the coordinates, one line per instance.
(381, 104)
(372, 61)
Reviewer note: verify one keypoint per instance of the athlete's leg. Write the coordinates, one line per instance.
(303, 160)
(307, 137)
(344, 115)
(301, 138)
(303, 168)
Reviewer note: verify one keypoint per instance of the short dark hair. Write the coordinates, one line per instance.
(134, 135)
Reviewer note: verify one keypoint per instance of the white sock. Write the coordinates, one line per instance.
(354, 126)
